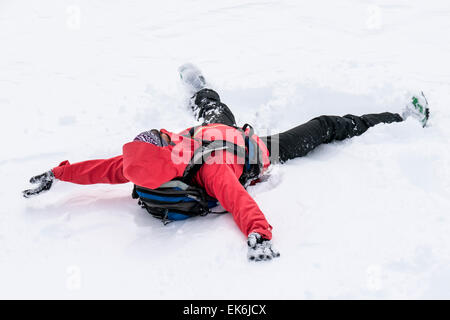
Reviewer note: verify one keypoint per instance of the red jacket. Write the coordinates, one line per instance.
(150, 166)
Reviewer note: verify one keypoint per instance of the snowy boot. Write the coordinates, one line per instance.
(192, 78)
(418, 108)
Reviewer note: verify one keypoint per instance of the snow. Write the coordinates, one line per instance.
(362, 218)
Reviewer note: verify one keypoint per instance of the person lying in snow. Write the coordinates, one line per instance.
(157, 157)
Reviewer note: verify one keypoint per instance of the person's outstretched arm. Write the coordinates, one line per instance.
(86, 172)
(220, 181)
(92, 171)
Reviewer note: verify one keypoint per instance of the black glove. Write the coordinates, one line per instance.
(260, 248)
(45, 181)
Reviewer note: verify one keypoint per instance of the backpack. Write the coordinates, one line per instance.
(179, 199)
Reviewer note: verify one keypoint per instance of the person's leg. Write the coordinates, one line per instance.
(206, 104)
(297, 142)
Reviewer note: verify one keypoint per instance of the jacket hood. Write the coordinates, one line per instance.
(148, 165)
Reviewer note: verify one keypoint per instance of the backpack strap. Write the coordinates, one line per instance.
(251, 153)
(253, 157)
(192, 131)
(207, 148)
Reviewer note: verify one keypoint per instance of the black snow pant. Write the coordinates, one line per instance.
(298, 141)
(207, 105)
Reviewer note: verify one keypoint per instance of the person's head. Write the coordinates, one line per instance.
(154, 137)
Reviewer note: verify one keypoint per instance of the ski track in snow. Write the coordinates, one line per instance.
(363, 218)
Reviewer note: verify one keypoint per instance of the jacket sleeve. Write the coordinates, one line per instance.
(220, 181)
(92, 171)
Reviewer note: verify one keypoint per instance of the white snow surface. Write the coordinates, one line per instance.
(366, 218)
